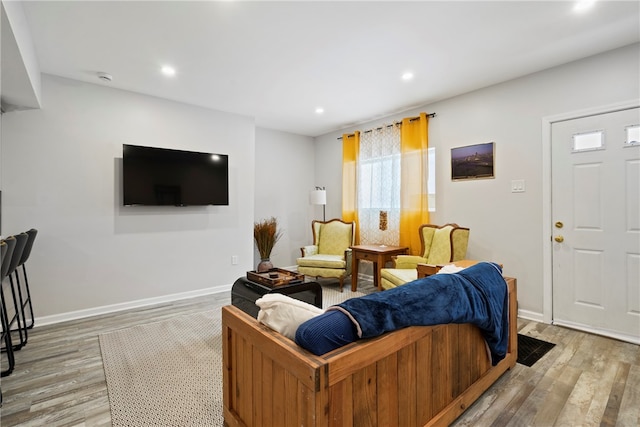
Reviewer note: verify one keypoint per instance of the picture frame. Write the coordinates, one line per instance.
(473, 162)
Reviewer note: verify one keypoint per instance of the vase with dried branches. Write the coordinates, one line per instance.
(266, 234)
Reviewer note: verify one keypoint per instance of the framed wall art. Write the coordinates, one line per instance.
(473, 161)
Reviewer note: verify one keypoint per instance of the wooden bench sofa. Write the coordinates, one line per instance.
(417, 376)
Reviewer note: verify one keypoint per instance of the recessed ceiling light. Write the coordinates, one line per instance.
(167, 70)
(407, 76)
(319, 110)
(583, 5)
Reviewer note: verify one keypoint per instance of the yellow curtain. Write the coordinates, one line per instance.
(414, 209)
(350, 150)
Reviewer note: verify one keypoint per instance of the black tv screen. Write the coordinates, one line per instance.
(163, 177)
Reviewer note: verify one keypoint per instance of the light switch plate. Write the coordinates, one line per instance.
(517, 186)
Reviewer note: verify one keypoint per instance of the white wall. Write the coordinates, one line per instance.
(21, 69)
(60, 169)
(284, 176)
(505, 227)
(61, 174)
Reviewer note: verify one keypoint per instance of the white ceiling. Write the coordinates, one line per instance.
(278, 61)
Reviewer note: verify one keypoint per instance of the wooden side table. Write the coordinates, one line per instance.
(425, 270)
(378, 254)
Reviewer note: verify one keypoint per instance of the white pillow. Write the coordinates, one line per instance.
(450, 269)
(284, 314)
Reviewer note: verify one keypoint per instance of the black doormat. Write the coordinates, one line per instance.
(530, 349)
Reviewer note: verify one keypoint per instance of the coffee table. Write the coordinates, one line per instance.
(245, 292)
(378, 254)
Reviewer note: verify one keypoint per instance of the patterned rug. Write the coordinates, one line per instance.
(169, 373)
(331, 294)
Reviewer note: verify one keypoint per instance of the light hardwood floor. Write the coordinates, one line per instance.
(585, 380)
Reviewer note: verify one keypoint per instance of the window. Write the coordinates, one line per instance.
(588, 141)
(379, 186)
(431, 178)
(633, 135)
(388, 182)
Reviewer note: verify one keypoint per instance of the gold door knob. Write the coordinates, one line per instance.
(559, 224)
(559, 239)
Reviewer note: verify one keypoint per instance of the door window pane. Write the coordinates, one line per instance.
(588, 141)
(633, 135)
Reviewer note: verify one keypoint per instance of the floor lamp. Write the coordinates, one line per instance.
(319, 197)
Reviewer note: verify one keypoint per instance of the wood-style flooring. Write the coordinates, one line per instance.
(585, 380)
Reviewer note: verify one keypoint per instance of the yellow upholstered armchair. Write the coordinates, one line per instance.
(440, 245)
(330, 255)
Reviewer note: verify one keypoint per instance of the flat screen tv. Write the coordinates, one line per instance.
(163, 177)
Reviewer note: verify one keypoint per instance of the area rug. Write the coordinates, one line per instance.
(331, 294)
(166, 373)
(169, 373)
(530, 349)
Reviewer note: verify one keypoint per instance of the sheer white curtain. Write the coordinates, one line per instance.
(379, 186)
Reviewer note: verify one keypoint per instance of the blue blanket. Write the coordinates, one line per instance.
(476, 295)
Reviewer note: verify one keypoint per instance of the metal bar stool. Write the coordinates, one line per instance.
(26, 302)
(18, 318)
(6, 248)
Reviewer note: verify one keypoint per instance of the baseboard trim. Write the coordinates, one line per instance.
(113, 308)
(531, 315)
(593, 330)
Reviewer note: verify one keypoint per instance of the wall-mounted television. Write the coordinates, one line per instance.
(163, 177)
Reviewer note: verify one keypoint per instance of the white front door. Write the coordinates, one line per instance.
(595, 178)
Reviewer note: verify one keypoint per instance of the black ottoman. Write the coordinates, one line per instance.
(244, 293)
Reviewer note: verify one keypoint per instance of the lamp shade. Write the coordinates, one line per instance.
(318, 197)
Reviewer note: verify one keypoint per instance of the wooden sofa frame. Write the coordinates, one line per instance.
(417, 376)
